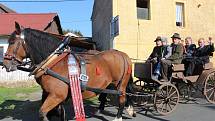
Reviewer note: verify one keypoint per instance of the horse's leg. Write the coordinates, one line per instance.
(57, 93)
(103, 100)
(51, 102)
(121, 108)
(129, 99)
(57, 111)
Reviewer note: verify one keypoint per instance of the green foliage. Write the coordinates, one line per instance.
(16, 93)
(77, 32)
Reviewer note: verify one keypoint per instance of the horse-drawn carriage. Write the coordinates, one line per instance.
(103, 68)
(166, 95)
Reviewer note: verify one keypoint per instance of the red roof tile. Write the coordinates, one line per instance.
(35, 21)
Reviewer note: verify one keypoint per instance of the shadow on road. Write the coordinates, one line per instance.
(28, 111)
(20, 110)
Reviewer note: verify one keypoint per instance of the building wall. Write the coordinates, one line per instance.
(4, 43)
(101, 20)
(53, 28)
(136, 36)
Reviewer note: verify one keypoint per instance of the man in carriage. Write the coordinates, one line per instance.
(175, 58)
(189, 50)
(201, 56)
(161, 50)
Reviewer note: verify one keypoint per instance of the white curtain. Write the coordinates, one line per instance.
(179, 13)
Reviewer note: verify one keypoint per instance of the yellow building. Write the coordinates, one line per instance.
(132, 25)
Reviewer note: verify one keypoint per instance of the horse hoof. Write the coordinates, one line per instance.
(130, 111)
(118, 119)
(134, 114)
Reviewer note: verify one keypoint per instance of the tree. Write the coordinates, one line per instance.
(77, 32)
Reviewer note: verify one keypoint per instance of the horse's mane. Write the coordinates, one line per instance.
(39, 44)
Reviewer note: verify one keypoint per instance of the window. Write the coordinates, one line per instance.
(180, 15)
(143, 9)
(115, 26)
(1, 53)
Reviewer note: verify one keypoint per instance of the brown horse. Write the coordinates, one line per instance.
(114, 67)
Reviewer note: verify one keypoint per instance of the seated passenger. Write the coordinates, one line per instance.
(175, 58)
(189, 50)
(166, 49)
(210, 40)
(189, 47)
(201, 55)
(155, 57)
(156, 53)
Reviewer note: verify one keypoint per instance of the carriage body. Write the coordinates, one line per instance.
(203, 81)
(164, 96)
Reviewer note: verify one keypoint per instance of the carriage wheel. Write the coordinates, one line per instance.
(166, 99)
(209, 89)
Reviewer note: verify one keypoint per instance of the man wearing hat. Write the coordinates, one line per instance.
(157, 51)
(175, 58)
(155, 57)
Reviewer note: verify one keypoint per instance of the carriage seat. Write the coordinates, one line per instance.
(208, 66)
(177, 67)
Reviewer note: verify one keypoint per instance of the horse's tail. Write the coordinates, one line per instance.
(129, 99)
(130, 88)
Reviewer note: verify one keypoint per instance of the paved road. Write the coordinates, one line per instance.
(13, 110)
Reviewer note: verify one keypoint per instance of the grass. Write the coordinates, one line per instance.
(16, 93)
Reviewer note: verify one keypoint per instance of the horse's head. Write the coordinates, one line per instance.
(16, 50)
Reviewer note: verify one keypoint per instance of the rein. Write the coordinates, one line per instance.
(13, 57)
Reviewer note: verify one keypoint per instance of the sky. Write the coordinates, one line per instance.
(73, 15)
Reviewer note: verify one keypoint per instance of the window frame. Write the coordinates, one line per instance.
(139, 11)
(182, 22)
(2, 47)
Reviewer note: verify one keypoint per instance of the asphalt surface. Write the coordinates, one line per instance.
(198, 110)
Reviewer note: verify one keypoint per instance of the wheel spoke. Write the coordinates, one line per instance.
(214, 96)
(160, 100)
(170, 106)
(211, 95)
(209, 89)
(167, 93)
(166, 107)
(162, 108)
(160, 104)
(173, 102)
(162, 93)
(170, 89)
(172, 94)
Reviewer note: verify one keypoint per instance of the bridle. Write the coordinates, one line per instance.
(12, 56)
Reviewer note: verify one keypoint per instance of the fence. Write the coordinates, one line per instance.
(15, 79)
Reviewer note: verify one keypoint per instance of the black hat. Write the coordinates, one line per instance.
(158, 39)
(176, 35)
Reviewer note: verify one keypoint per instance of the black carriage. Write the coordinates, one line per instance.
(166, 95)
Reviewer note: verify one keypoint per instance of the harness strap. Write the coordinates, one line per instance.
(49, 64)
(83, 75)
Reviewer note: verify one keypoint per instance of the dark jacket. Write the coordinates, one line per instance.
(202, 54)
(189, 50)
(156, 53)
(177, 53)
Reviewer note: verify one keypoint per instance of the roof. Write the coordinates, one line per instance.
(5, 9)
(34, 21)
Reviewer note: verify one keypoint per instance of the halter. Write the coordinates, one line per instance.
(13, 56)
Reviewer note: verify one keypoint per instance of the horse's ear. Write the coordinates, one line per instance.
(17, 27)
